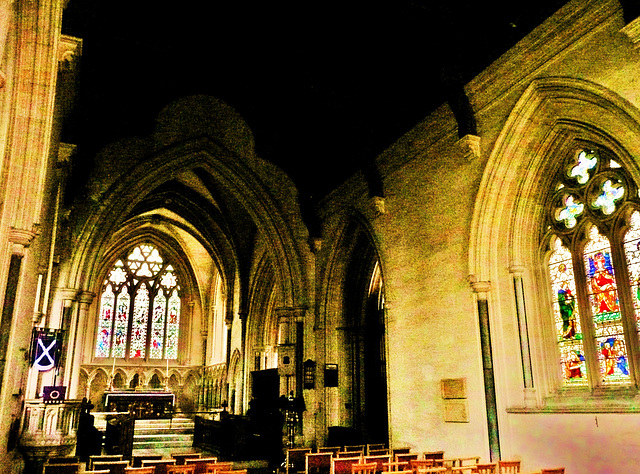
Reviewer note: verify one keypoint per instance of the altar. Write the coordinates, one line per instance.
(141, 404)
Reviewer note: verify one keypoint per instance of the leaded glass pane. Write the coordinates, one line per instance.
(121, 323)
(605, 309)
(115, 338)
(103, 343)
(606, 201)
(565, 305)
(632, 253)
(157, 326)
(168, 279)
(173, 325)
(139, 326)
(586, 161)
(118, 275)
(570, 212)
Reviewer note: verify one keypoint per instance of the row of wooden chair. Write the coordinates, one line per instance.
(180, 464)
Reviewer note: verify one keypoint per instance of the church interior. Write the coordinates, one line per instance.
(411, 226)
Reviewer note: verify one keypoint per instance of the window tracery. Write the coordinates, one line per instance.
(139, 315)
(594, 270)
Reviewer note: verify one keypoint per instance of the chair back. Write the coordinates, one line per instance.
(375, 446)
(380, 460)
(234, 471)
(398, 472)
(329, 449)
(63, 459)
(181, 469)
(553, 470)
(343, 465)
(422, 464)
(406, 457)
(139, 470)
(136, 459)
(160, 465)
(114, 467)
(469, 461)
(103, 457)
(106, 471)
(60, 468)
(318, 463)
(201, 463)
(364, 468)
(378, 452)
(355, 448)
(486, 468)
(348, 454)
(432, 469)
(508, 467)
(433, 455)
(396, 466)
(181, 457)
(215, 467)
(295, 459)
(400, 450)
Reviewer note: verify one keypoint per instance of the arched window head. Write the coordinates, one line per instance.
(139, 315)
(594, 269)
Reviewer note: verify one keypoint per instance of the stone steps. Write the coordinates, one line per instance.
(161, 435)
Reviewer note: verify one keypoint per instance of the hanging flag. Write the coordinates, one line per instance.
(45, 349)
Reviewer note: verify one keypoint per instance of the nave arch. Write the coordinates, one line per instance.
(214, 208)
(352, 321)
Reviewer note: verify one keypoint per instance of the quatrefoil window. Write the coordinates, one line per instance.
(611, 193)
(570, 212)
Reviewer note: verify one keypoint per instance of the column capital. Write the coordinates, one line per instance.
(85, 297)
(480, 288)
(296, 313)
(21, 239)
(517, 269)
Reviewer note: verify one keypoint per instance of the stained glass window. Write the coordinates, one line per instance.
(139, 313)
(592, 201)
(567, 319)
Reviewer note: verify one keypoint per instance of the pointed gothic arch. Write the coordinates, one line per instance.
(551, 117)
(355, 332)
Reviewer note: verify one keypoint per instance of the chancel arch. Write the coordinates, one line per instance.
(554, 123)
(195, 190)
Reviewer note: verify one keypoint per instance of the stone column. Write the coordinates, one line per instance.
(523, 331)
(80, 325)
(481, 289)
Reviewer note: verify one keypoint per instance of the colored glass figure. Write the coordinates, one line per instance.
(570, 212)
(610, 344)
(157, 326)
(566, 314)
(173, 326)
(612, 356)
(103, 343)
(610, 194)
(586, 161)
(139, 324)
(632, 254)
(121, 323)
(601, 281)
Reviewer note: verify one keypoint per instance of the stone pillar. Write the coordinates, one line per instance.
(523, 331)
(80, 324)
(481, 289)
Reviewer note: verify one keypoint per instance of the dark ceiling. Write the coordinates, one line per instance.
(325, 86)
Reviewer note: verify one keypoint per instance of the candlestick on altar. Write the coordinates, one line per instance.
(113, 373)
(166, 380)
